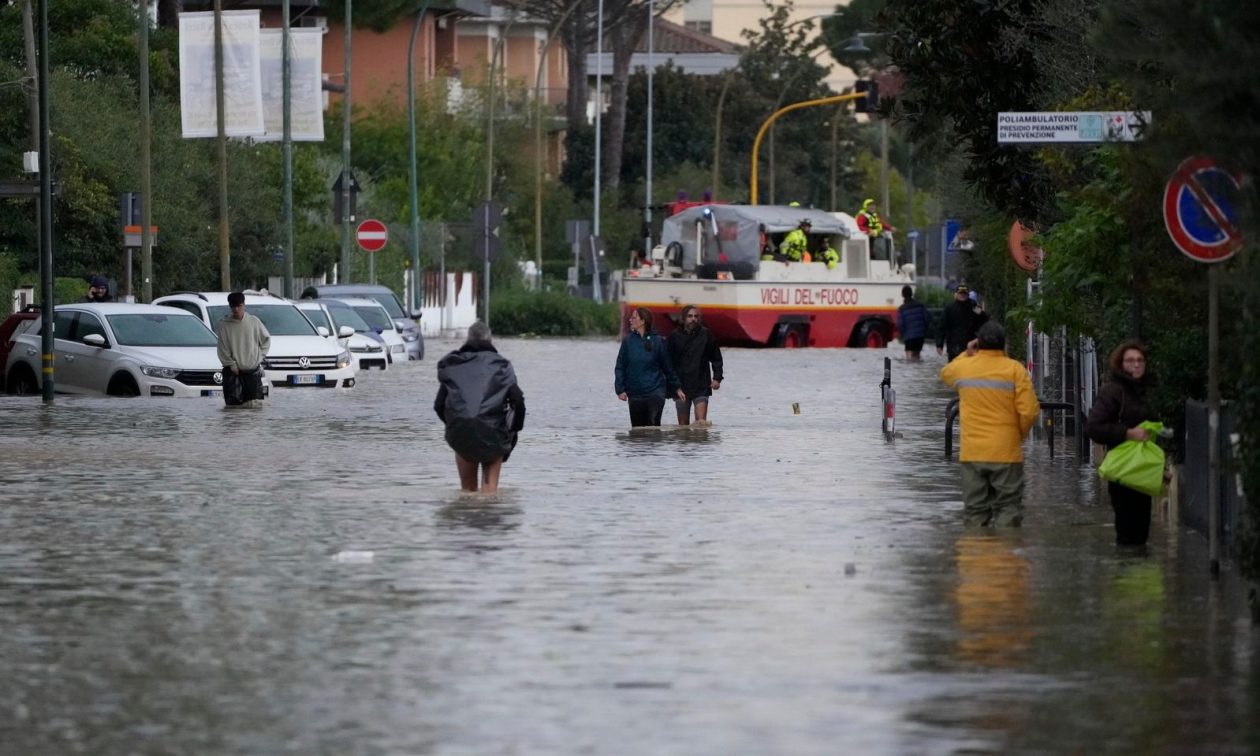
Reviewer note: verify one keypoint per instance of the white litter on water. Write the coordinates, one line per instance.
(354, 557)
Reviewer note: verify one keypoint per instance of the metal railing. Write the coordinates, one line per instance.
(1048, 410)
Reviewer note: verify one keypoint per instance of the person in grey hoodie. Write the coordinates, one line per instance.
(482, 407)
(243, 343)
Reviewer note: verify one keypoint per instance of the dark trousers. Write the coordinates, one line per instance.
(243, 387)
(646, 410)
(1133, 514)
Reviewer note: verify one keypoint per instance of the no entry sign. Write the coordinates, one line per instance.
(371, 235)
(1201, 210)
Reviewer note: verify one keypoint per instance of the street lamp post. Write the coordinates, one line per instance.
(833, 100)
(538, 140)
(416, 277)
(647, 202)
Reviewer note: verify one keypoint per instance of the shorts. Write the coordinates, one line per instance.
(478, 441)
(914, 345)
(684, 405)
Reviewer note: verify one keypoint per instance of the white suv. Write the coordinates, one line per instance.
(298, 355)
(117, 349)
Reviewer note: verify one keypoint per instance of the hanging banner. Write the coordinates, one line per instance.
(242, 79)
(306, 50)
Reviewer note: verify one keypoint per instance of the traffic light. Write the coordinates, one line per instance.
(869, 103)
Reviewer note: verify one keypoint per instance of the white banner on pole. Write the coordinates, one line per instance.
(242, 80)
(1072, 127)
(306, 49)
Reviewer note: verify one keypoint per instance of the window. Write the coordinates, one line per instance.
(187, 307)
(63, 324)
(89, 324)
(344, 315)
(704, 27)
(280, 319)
(375, 317)
(316, 316)
(154, 329)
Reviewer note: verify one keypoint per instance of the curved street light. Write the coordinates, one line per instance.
(717, 118)
(775, 116)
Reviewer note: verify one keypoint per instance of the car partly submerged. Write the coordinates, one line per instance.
(118, 349)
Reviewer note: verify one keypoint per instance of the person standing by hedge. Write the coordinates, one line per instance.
(694, 351)
(912, 323)
(1118, 411)
(644, 374)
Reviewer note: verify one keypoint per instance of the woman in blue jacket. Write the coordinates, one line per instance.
(644, 375)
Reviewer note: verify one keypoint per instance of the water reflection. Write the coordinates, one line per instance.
(490, 513)
(992, 600)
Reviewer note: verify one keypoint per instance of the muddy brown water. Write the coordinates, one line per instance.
(178, 578)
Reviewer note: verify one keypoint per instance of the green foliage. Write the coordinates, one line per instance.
(964, 63)
(552, 314)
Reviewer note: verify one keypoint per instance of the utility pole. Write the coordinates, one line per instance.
(225, 258)
(347, 221)
(47, 294)
(286, 64)
(146, 165)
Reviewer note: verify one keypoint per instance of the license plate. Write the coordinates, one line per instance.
(305, 380)
(212, 392)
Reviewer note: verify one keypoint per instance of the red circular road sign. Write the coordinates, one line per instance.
(1201, 210)
(371, 235)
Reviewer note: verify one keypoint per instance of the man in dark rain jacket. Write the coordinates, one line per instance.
(482, 406)
(694, 350)
(960, 323)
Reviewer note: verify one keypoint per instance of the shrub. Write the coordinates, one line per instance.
(551, 314)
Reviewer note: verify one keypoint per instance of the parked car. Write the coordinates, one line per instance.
(408, 326)
(378, 319)
(13, 326)
(117, 349)
(366, 352)
(299, 356)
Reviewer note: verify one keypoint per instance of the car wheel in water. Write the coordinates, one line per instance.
(123, 385)
(22, 381)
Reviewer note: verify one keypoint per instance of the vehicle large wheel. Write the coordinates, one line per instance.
(22, 381)
(874, 335)
(790, 336)
(123, 385)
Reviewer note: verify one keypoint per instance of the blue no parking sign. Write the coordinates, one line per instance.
(1201, 210)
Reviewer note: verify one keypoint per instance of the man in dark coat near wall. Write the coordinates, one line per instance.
(960, 323)
(698, 361)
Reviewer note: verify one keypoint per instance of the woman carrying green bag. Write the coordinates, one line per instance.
(1116, 417)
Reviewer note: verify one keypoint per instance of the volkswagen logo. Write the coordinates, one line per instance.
(218, 377)
(304, 363)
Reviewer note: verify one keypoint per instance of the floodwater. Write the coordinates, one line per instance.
(306, 578)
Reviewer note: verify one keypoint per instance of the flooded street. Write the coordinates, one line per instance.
(178, 578)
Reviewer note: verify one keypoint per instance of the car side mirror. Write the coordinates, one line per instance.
(96, 340)
(345, 332)
(322, 331)
(417, 314)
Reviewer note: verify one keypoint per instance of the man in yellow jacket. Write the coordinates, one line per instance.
(997, 408)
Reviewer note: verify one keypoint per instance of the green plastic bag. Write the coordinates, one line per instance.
(1137, 464)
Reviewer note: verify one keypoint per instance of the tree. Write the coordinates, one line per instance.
(962, 65)
(849, 20)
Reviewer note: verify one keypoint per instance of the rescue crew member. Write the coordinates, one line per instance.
(997, 406)
(868, 221)
(796, 243)
(828, 255)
